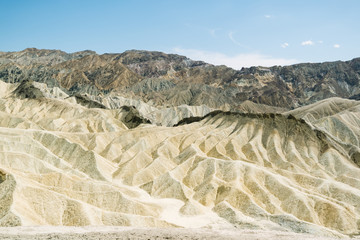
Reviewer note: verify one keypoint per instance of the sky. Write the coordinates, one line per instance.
(236, 33)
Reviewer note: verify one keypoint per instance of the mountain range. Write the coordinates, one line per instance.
(172, 80)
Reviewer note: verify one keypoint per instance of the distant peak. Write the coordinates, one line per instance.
(30, 50)
(87, 52)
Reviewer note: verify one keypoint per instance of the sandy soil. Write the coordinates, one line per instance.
(112, 233)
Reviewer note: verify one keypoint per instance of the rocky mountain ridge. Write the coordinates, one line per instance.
(171, 80)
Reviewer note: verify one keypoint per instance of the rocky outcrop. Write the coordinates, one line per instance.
(27, 90)
(131, 117)
(87, 102)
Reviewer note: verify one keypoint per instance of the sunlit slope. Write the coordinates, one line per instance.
(64, 164)
(339, 119)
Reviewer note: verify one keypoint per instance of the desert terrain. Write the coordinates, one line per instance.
(76, 157)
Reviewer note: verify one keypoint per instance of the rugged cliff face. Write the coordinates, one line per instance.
(173, 80)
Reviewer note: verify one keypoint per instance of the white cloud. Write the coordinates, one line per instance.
(307, 43)
(231, 36)
(336, 45)
(284, 45)
(237, 61)
(267, 16)
(321, 41)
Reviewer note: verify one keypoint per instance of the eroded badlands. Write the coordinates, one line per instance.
(64, 164)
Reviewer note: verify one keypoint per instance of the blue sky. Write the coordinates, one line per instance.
(231, 32)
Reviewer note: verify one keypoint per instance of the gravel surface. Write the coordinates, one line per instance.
(117, 233)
